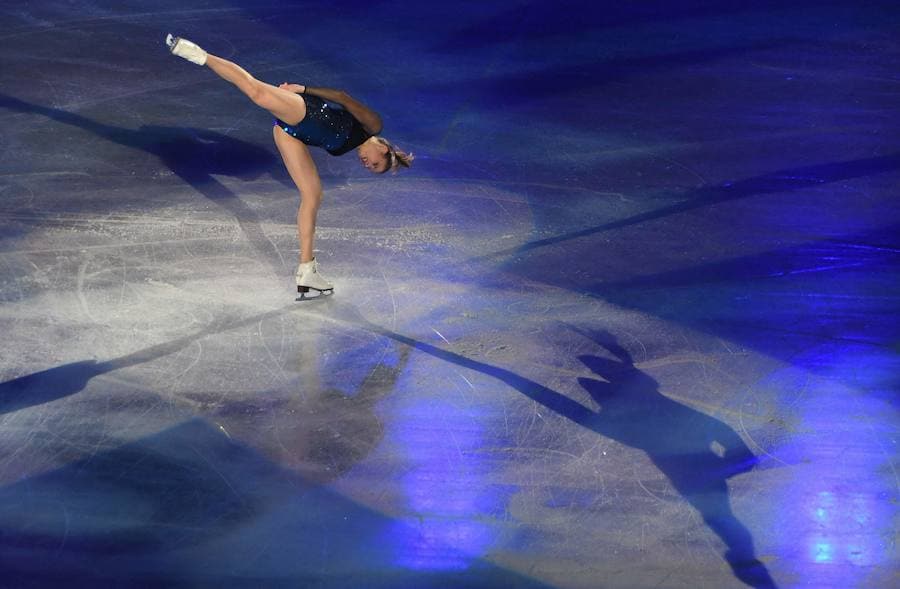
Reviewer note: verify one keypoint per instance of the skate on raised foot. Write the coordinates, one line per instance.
(308, 278)
(185, 49)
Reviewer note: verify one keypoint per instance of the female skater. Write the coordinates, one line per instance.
(307, 116)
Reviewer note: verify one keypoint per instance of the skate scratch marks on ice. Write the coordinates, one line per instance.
(276, 358)
(82, 269)
(177, 379)
(62, 542)
(277, 251)
(637, 479)
(387, 286)
(111, 246)
(440, 336)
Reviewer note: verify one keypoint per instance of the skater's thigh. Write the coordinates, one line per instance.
(284, 105)
(299, 162)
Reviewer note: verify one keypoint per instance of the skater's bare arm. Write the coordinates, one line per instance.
(295, 88)
(369, 119)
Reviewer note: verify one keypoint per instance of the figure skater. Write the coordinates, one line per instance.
(321, 117)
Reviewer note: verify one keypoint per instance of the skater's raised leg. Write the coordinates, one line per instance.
(283, 104)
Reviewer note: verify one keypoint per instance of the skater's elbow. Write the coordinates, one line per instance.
(374, 125)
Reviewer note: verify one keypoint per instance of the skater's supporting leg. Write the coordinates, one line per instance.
(285, 105)
(300, 166)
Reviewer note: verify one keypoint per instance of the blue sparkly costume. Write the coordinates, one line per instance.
(328, 126)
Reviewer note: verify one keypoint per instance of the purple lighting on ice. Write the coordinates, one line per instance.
(444, 488)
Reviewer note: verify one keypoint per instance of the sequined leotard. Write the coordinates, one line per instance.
(328, 126)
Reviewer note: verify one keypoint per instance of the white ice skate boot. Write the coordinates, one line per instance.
(187, 50)
(308, 278)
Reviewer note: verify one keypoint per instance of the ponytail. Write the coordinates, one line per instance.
(397, 158)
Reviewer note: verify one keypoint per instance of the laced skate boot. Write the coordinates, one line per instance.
(308, 278)
(187, 50)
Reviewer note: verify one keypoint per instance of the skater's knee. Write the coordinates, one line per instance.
(310, 197)
(311, 191)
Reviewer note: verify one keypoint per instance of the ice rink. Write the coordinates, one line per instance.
(630, 320)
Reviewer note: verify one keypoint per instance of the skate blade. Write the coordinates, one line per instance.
(308, 293)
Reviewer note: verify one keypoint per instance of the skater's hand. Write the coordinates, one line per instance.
(295, 88)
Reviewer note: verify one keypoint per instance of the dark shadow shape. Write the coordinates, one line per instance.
(191, 507)
(350, 427)
(70, 379)
(677, 438)
(194, 155)
(324, 436)
(338, 430)
(776, 182)
(179, 499)
(696, 452)
(48, 385)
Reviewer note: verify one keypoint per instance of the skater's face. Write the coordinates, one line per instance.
(374, 156)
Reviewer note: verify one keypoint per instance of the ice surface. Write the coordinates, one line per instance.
(627, 322)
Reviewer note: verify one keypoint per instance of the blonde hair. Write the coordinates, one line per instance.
(397, 158)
